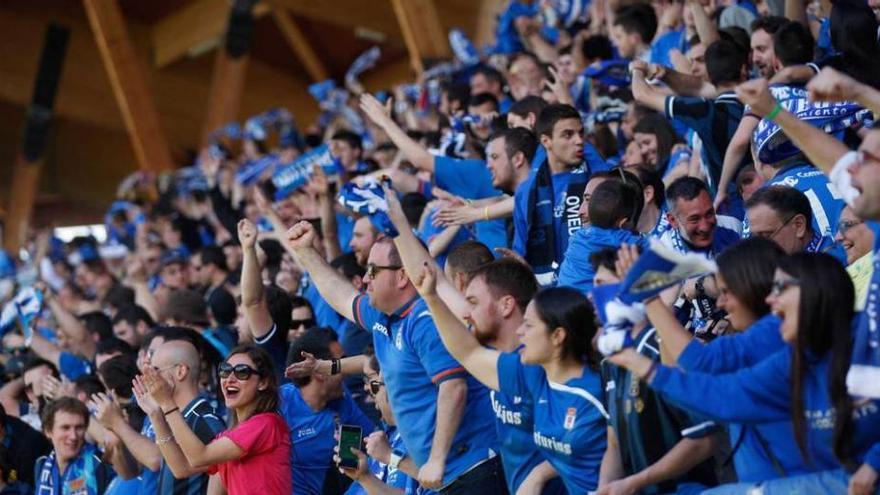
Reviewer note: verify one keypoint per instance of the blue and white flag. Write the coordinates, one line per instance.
(363, 63)
(368, 199)
(570, 11)
(660, 267)
(252, 170)
(255, 129)
(617, 318)
(23, 308)
(320, 91)
(832, 117)
(464, 50)
(290, 177)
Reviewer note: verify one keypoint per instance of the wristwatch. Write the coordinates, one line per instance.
(396, 457)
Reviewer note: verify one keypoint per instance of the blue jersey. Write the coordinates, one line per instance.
(825, 201)
(569, 419)
(86, 474)
(345, 230)
(576, 270)
(662, 46)
(763, 448)
(519, 455)
(414, 363)
(312, 435)
(429, 231)
(471, 179)
(734, 396)
(863, 378)
(394, 478)
(73, 366)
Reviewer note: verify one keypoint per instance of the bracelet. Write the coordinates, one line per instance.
(165, 439)
(166, 413)
(486, 212)
(773, 113)
(335, 366)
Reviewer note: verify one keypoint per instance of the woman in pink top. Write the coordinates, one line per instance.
(253, 456)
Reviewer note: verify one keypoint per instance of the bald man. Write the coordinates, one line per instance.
(177, 361)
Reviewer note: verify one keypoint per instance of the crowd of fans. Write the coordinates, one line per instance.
(629, 248)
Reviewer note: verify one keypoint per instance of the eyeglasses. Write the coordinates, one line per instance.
(373, 269)
(779, 286)
(375, 386)
(843, 227)
(308, 323)
(772, 235)
(242, 372)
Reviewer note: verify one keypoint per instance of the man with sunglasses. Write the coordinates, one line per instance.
(177, 361)
(783, 215)
(443, 414)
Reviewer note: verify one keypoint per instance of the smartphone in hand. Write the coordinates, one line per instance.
(350, 436)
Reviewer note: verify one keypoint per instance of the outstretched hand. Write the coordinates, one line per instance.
(374, 109)
(307, 366)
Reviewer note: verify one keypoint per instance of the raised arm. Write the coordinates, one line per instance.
(253, 300)
(479, 361)
(381, 116)
(821, 149)
(326, 209)
(414, 256)
(736, 150)
(451, 399)
(643, 92)
(144, 450)
(706, 28)
(333, 287)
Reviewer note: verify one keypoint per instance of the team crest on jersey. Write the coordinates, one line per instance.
(398, 340)
(570, 416)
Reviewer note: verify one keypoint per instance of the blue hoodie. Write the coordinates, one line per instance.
(762, 394)
(728, 354)
(576, 270)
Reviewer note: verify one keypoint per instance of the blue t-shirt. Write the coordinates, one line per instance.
(576, 270)
(673, 40)
(73, 366)
(344, 230)
(569, 420)
(470, 179)
(312, 435)
(414, 363)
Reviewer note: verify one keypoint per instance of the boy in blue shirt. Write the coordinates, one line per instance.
(614, 210)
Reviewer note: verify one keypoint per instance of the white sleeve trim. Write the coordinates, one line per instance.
(693, 429)
(581, 393)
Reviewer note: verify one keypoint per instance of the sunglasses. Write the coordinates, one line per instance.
(373, 269)
(779, 286)
(308, 323)
(375, 386)
(242, 372)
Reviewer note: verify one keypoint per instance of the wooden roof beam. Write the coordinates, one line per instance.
(128, 80)
(315, 67)
(423, 34)
(373, 15)
(193, 28)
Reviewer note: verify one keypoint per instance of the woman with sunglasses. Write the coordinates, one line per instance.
(253, 456)
(556, 370)
(804, 382)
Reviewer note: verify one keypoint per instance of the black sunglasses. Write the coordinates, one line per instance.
(375, 386)
(242, 371)
(373, 269)
(308, 323)
(779, 286)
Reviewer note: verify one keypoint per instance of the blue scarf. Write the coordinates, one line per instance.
(78, 479)
(542, 242)
(369, 200)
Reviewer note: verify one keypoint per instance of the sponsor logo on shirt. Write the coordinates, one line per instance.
(572, 214)
(570, 416)
(551, 443)
(378, 327)
(305, 432)
(504, 414)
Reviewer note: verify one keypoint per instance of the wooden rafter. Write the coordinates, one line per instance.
(300, 45)
(424, 36)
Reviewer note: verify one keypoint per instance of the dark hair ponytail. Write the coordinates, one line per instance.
(824, 320)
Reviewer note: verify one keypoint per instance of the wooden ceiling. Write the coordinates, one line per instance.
(88, 150)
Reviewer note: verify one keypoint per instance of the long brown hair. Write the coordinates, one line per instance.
(267, 399)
